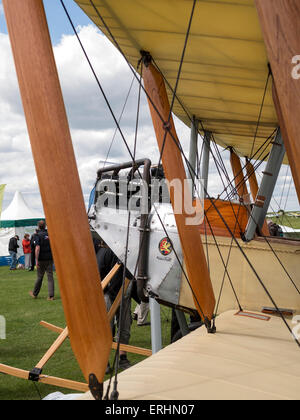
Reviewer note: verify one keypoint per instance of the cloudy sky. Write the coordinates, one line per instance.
(91, 124)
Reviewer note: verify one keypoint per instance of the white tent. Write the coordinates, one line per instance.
(17, 219)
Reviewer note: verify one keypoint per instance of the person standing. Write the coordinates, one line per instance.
(44, 262)
(32, 245)
(27, 251)
(106, 260)
(13, 249)
(140, 314)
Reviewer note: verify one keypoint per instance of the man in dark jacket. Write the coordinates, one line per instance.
(33, 244)
(106, 261)
(44, 261)
(13, 249)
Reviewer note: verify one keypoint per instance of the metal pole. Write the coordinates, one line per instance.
(266, 189)
(205, 159)
(193, 148)
(155, 317)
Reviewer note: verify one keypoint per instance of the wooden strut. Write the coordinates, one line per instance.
(49, 380)
(191, 242)
(280, 22)
(254, 190)
(239, 178)
(63, 335)
(125, 347)
(49, 133)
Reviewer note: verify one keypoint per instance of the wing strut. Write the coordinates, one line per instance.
(191, 242)
(57, 173)
(254, 191)
(280, 22)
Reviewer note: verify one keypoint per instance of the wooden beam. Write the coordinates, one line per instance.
(192, 246)
(124, 347)
(60, 188)
(55, 346)
(280, 22)
(109, 276)
(254, 190)
(239, 179)
(132, 349)
(51, 327)
(49, 380)
(117, 301)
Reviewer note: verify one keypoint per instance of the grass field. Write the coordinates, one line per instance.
(26, 341)
(292, 222)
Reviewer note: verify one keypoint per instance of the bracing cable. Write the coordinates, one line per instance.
(224, 221)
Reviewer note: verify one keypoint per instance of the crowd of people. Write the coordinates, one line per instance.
(37, 252)
(28, 246)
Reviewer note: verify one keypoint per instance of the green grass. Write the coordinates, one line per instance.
(26, 341)
(293, 222)
(289, 221)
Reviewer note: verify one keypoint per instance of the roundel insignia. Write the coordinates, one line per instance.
(165, 247)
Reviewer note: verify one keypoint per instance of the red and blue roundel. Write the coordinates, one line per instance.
(165, 247)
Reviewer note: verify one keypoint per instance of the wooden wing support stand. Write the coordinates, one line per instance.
(36, 375)
(169, 146)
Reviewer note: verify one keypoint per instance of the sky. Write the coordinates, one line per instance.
(91, 124)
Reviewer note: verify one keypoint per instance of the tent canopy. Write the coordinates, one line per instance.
(19, 214)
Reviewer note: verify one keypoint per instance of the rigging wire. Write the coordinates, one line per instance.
(97, 80)
(245, 256)
(119, 121)
(283, 189)
(177, 145)
(166, 123)
(123, 309)
(261, 108)
(288, 194)
(212, 201)
(226, 272)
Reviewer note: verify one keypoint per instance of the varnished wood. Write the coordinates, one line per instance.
(280, 22)
(117, 301)
(235, 215)
(239, 179)
(132, 349)
(254, 190)
(123, 347)
(64, 334)
(55, 346)
(109, 276)
(191, 242)
(60, 188)
(51, 327)
(49, 380)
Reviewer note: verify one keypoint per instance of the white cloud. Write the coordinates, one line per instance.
(91, 123)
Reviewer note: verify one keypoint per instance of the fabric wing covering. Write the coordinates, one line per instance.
(225, 68)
